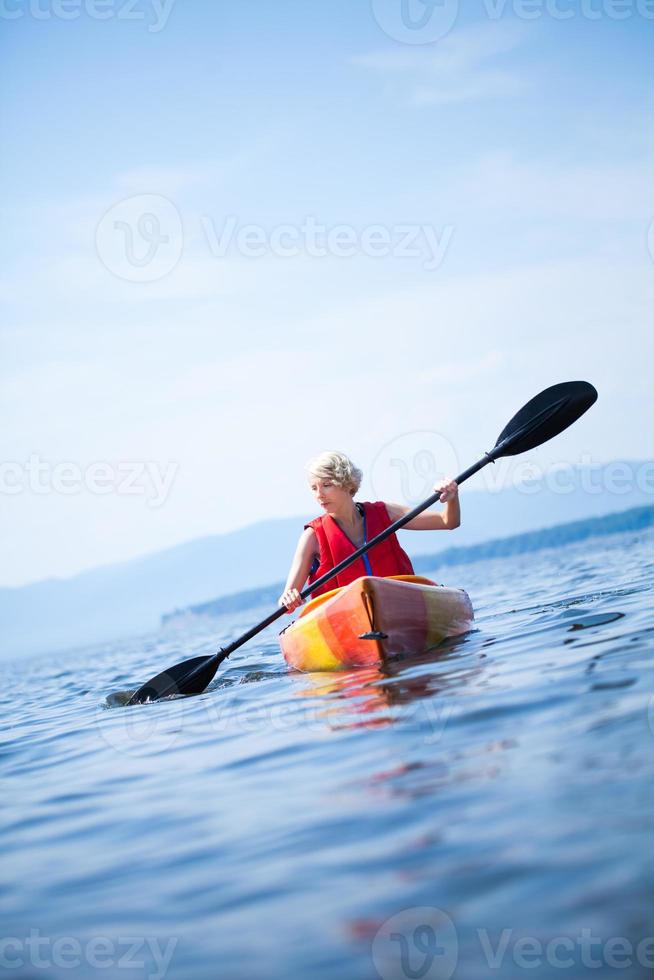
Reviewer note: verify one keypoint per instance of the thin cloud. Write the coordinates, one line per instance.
(501, 183)
(171, 180)
(462, 371)
(459, 68)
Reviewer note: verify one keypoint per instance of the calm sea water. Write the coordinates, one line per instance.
(485, 810)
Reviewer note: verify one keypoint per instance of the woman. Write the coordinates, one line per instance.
(345, 525)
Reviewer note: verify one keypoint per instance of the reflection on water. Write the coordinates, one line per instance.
(375, 822)
(366, 696)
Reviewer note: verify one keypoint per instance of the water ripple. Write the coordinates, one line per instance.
(273, 824)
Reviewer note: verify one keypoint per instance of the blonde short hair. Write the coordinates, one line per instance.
(337, 467)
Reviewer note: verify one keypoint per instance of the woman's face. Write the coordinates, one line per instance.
(327, 493)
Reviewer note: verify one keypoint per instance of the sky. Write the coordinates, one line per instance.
(237, 234)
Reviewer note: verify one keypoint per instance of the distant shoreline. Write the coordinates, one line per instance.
(634, 519)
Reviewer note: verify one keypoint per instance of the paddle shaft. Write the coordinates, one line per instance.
(391, 529)
(540, 419)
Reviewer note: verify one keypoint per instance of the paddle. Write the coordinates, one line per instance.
(542, 418)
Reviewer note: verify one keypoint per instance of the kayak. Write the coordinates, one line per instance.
(366, 621)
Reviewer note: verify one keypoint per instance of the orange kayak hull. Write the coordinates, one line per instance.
(372, 618)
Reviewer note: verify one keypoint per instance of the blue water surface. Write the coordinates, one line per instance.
(483, 810)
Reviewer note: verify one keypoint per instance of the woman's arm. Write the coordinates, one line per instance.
(446, 520)
(307, 548)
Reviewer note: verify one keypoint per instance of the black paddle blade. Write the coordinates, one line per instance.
(542, 418)
(189, 677)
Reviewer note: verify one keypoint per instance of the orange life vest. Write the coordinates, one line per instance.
(386, 558)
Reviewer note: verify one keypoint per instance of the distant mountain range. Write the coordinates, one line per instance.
(635, 519)
(131, 597)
